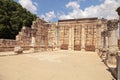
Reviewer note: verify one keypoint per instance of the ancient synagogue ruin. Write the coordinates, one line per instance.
(85, 34)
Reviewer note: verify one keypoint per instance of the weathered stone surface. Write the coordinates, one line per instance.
(18, 50)
(73, 34)
(118, 66)
(85, 33)
(7, 45)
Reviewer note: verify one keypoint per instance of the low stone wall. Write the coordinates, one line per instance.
(7, 44)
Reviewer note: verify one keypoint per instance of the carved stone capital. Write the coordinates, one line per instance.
(105, 33)
(112, 25)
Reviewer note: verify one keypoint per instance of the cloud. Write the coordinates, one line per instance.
(48, 16)
(73, 5)
(29, 5)
(104, 10)
(118, 0)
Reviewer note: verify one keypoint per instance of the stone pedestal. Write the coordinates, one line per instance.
(111, 59)
(83, 39)
(113, 41)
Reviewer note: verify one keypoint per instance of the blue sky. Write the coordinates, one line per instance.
(53, 10)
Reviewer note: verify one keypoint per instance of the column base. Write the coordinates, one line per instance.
(70, 48)
(55, 49)
(58, 48)
(32, 50)
(97, 50)
(83, 49)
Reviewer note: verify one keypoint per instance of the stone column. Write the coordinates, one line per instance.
(113, 41)
(113, 48)
(118, 61)
(83, 39)
(33, 42)
(98, 39)
(118, 67)
(57, 36)
(71, 38)
(102, 40)
(106, 42)
(99, 34)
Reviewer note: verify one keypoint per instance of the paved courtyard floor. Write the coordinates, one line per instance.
(56, 65)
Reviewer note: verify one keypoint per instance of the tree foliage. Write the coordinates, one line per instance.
(12, 17)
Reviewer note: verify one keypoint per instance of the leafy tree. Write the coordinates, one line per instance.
(12, 17)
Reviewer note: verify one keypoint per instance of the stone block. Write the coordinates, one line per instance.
(18, 50)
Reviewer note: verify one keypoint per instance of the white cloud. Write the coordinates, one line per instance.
(105, 10)
(49, 16)
(29, 5)
(73, 5)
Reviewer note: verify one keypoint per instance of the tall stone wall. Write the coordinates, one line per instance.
(81, 34)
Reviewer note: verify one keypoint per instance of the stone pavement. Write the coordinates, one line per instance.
(56, 65)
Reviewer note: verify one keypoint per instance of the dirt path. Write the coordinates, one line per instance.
(57, 65)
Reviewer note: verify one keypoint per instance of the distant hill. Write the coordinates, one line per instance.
(12, 17)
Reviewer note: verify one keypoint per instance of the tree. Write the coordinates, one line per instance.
(12, 17)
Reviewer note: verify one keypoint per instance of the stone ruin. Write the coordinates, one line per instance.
(87, 34)
(40, 36)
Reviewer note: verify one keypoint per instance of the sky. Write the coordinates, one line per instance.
(54, 10)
